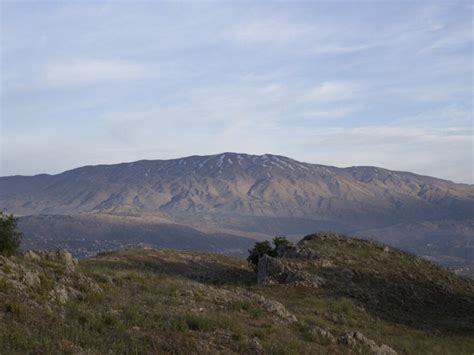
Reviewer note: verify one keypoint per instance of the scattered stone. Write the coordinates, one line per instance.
(272, 270)
(353, 339)
(277, 309)
(323, 333)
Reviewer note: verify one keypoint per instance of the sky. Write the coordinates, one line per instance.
(380, 83)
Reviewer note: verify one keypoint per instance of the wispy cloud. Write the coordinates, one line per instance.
(394, 135)
(450, 39)
(273, 30)
(88, 72)
(333, 91)
(338, 48)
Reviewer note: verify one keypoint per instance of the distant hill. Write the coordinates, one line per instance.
(85, 235)
(260, 196)
(329, 294)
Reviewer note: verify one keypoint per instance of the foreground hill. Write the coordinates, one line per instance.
(330, 294)
(259, 196)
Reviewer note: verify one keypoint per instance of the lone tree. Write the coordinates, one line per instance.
(10, 236)
(265, 248)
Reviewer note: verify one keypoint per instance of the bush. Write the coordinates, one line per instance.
(10, 237)
(260, 249)
(265, 248)
(281, 242)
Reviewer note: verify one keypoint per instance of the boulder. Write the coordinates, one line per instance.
(269, 270)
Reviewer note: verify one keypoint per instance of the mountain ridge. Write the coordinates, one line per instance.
(373, 167)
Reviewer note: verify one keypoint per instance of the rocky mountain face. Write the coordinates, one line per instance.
(244, 185)
(256, 196)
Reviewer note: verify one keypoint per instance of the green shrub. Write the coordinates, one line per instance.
(201, 323)
(10, 237)
(342, 306)
(265, 248)
(16, 308)
(5, 284)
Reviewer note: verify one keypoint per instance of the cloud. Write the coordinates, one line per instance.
(274, 30)
(450, 40)
(441, 152)
(338, 48)
(393, 135)
(88, 72)
(329, 113)
(333, 91)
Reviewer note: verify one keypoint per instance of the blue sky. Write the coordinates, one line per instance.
(379, 83)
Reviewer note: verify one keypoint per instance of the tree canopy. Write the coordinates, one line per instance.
(10, 236)
(265, 248)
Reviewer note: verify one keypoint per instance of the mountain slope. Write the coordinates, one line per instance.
(268, 185)
(370, 300)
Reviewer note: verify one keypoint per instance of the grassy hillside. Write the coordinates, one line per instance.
(169, 301)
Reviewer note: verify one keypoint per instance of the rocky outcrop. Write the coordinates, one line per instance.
(276, 309)
(323, 333)
(273, 270)
(288, 251)
(45, 274)
(60, 256)
(357, 339)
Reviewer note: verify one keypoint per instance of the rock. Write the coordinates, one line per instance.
(385, 350)
(353, 339)
(271, 270)
(30, 278)
(31, 255)
(255, 346)
(59, 294)
(322, 333)
(67, 259)
(278, 309)
(288, 251)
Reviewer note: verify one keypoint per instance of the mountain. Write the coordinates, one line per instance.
(329, 294)
(258, 196)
